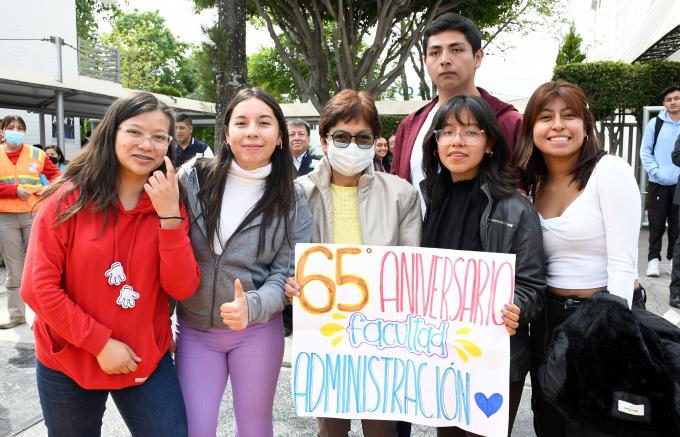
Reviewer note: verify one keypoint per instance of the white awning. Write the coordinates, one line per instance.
(83, 97)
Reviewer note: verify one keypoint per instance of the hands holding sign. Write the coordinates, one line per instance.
(163, 190)
(235, 314)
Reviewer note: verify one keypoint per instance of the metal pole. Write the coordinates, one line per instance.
(60, 94)
(42, 127)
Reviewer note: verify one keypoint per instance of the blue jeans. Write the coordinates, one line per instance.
(155, 408)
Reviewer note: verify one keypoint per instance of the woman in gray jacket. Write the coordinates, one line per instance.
(353, 204)
(246, 219)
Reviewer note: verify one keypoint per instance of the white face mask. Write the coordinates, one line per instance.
(351, 160)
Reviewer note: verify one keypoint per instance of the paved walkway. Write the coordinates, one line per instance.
(20, 409)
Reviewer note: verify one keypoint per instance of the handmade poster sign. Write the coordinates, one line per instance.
(405, 333)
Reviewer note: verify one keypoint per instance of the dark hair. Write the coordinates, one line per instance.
(493, 170)
(56, 148)
(529, 160)
(183, 118)
(94, 172)
(13, 117)
(452, 21)
(279, 193)
(669, 89)
(298, 122)
(349, 105)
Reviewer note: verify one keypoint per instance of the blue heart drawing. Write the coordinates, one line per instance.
(490, 405)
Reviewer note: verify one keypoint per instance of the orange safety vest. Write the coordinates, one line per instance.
(26, 173)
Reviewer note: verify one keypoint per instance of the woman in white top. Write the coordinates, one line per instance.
(589, 207)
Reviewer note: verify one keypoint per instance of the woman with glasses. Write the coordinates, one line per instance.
(247, 217)
(472, 204)
(353, 204)
(109, 246)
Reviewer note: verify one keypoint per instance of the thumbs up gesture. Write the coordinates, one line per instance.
(235, 314)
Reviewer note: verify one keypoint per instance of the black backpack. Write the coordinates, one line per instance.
(657, 129)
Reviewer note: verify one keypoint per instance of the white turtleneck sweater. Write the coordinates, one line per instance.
(242, 191)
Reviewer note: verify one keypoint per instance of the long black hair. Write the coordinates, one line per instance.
(493, 170)
(94, 172)
(279, 193)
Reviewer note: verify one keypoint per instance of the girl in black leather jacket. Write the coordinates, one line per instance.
(473, 205)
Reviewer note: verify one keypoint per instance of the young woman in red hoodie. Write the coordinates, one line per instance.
(109, 246)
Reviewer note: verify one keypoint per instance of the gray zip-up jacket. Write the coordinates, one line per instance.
(262, 278)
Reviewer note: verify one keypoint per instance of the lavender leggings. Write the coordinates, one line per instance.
(204, 362)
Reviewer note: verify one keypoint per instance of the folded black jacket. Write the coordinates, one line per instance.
(615, 371)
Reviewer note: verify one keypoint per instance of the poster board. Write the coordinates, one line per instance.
(402, 333)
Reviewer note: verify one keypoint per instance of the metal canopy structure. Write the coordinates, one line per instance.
(659, 34)
(664, 48)
(83, 97)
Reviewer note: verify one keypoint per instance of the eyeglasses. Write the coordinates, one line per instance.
(342, 139)
(470, 136)
(137, 137)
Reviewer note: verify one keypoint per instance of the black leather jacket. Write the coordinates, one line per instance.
(511, 225)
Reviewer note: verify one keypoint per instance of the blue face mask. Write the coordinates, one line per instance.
(15, 137)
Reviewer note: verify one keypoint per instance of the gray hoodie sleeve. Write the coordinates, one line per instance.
(270, 298)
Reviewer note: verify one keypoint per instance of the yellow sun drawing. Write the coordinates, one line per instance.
(330, 329)
(467, 345)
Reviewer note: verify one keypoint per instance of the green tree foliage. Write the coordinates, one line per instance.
(266, 70)
(86, 17)
(363, 50)
(613, 85)
(390, 124)
(152, 58)
(570, 52)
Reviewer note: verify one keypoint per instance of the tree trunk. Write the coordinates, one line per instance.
(404, 84)
(229, 60)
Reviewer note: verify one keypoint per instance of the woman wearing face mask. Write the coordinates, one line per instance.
(55, 155)
(247, 217)
(21, 166)
(473, 205)
(353, 204)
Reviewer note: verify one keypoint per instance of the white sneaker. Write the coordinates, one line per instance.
(653, 268)
(669, 267)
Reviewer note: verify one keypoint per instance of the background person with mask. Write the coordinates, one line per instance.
(20, 168)
(353, 204)
(55, 155)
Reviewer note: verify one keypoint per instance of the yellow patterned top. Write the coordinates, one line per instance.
(346, 224)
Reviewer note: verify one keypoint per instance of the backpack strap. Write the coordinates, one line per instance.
(657, 129)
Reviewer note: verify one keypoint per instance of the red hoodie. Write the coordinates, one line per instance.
(65, 282)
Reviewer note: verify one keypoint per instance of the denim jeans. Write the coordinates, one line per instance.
(155, 408)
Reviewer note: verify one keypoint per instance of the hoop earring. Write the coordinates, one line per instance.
(280, 146)
(490, 154)
(585, 138)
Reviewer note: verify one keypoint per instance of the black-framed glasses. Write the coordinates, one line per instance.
(342, 139)
(470, 135)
